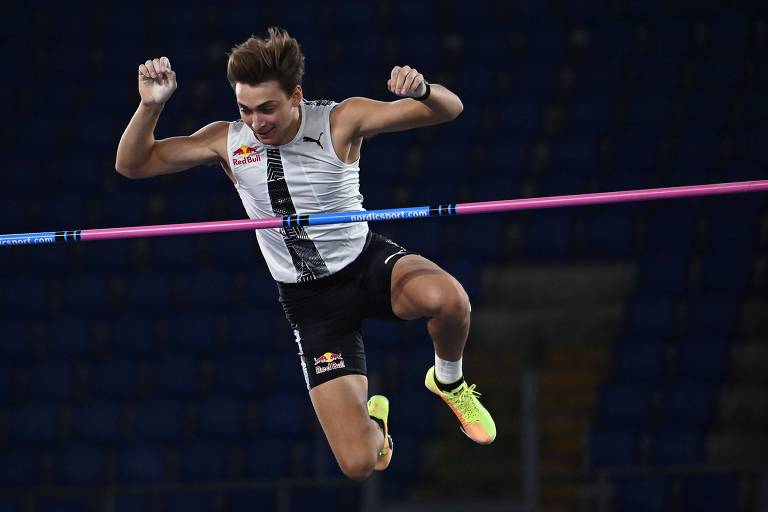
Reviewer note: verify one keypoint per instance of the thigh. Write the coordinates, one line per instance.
(326, 321)
(419, 288)
(341, 407)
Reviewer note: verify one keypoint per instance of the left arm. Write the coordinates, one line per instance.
(362, 117)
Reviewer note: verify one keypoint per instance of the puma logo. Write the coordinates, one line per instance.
(393, 255)
(317, 140)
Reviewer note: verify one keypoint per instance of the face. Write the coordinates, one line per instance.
(272, 115)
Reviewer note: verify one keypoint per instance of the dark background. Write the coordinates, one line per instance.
(166, 362)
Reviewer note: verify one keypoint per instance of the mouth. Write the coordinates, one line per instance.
(263, 133)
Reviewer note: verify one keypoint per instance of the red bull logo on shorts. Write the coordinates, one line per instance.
(327, 362)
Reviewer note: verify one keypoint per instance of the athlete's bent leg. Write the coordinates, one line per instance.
(421, 289)
(355, 439)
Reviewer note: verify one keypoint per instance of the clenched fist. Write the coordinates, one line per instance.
(406, 82)
(157, 81)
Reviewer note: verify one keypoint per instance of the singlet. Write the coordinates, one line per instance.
(304, 176)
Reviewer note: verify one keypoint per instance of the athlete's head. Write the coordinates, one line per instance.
(266, 77)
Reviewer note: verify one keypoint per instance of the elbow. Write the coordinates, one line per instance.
(457, 110)
(127, 171)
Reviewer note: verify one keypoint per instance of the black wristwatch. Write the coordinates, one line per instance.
(426, 93)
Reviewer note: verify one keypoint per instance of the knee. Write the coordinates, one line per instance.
(448, 301)
(357, 468)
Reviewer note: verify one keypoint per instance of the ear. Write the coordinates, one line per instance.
(297, 96)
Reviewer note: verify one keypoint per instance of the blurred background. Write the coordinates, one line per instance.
(622, 349)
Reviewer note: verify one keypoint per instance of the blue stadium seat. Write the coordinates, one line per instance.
(713, 493)
(175, 253)
(35, 424)
(158, 421)
(15, 342)
(78, 464)
(101, 258)
(347, 498)
(25, 293)
(288, 414)
(627, 405)
(10, 505)
(204, 461)
(278, 451)
(20, 466)
(517, 116)
(639, 358)
(610, 233)
(702, 358)
(252, 331)
(69, 336)
(190, 501)
(708, 110)
(238, 251)
(714, 314)
(422, 411)
(115, 379)
(728, 34)
(733, 226)
(132, 502)
(65, 504)
(670, 446)
(698, 151)
(221, 418)
(237, 374)
(726, 270)
(688, 403)
(636, 151)
(641, 494)
(672, 230)
(576, 153)
(484, 242)
(176, 377)
(651, 313)
(245, 501)
(591, 115)
(148, 291)
(140, 464)
(611, 446)
(132, 334)
(209, 290)
(192, 333)
(51, 380)
(97, 423)
(547, 235)
(663, 272)
(7, 385)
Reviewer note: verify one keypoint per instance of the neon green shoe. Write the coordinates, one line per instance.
(378, 409)
(476, 421)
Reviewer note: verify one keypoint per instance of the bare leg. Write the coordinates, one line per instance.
(421, 289)
(355, 439)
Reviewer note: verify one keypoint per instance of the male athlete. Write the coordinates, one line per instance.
(286, 155)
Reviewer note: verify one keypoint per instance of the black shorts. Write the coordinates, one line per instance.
(327, 315)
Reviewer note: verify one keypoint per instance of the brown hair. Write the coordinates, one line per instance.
(257, 60)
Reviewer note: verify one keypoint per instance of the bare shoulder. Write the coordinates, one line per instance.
(213, 136)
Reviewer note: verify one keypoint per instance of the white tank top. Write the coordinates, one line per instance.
(304, 176)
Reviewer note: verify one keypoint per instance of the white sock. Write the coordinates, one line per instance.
(448, 372)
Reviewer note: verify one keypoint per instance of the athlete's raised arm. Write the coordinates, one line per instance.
(139, 155)
(423, 104)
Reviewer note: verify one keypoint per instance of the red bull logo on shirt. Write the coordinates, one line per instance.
(327, 362)
(245, 155)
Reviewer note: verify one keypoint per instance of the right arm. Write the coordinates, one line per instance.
(139, 155)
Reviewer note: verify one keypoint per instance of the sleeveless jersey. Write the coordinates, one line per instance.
(304, 176)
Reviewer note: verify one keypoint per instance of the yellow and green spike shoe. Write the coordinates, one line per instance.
(476, 421)
(378, 409)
